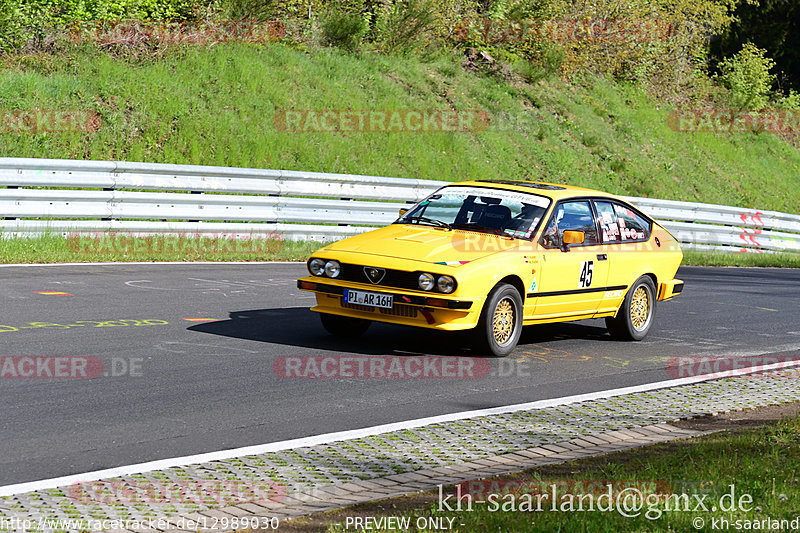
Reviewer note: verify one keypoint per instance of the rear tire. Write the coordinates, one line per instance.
(637, 312)
(500, 325)
(344, 327)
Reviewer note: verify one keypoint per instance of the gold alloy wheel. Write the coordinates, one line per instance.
(640, 308)
(503, 321)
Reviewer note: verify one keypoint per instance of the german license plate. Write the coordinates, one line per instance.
(373, 299)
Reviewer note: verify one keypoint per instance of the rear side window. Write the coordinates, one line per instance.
(632, 226)
(609, 225)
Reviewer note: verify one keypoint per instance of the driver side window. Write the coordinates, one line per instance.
(570, 216)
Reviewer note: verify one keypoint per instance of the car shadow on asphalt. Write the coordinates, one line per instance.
(297, 326)
(594, 330)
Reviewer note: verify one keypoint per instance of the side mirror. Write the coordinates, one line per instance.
(571, 237)
(403, 211)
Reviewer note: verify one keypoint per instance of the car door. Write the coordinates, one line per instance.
(572, 277)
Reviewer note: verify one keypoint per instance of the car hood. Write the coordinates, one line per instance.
(425, 243)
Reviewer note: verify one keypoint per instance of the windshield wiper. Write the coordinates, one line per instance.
(483, 229)
(426, 220)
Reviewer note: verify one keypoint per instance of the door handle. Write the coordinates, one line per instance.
(602, 257)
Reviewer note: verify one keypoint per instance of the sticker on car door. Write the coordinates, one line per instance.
(585, 280)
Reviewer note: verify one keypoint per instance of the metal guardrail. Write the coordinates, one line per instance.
(124, 197)
(725, 228)
(65, 196)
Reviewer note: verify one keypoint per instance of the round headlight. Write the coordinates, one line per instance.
(426, 281)
(333, 269)
(317, 267)
(446, 284)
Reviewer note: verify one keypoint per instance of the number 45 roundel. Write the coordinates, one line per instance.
(587, 267)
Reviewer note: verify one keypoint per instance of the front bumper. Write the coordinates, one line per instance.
(669, 289)
(435, 311)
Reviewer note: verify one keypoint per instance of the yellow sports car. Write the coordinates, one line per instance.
(494, 256)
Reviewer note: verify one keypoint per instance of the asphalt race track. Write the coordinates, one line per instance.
(189, 352)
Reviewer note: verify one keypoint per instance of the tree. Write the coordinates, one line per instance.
(773, 25)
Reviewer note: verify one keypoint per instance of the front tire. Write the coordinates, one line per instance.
(637, 312)
(500, 325)
(344, 327)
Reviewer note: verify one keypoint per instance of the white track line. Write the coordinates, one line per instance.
(123, 263)
(327, 438)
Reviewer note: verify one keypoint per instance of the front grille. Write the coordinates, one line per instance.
(398, 310)
(393, 278)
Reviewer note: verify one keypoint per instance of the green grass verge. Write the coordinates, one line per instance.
(699, 258)
(763, 463)
(58, 249)
(216, 106)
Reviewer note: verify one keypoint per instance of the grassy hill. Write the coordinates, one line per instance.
(216, 105)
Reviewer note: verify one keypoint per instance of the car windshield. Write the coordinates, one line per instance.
(489, 210)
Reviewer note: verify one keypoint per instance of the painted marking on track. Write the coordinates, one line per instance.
(198, 319)
(748, 306)
(54, 293)
(536, 352)
(124, 322)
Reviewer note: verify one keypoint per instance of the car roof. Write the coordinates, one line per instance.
(556, 191)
